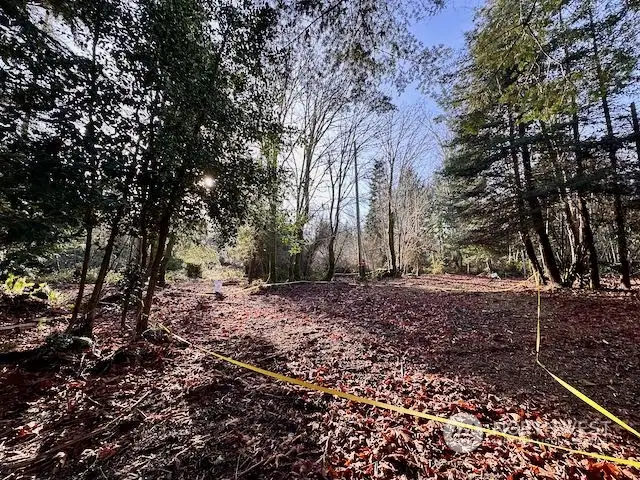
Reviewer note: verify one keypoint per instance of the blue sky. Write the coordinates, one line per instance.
(445, 28)
(449, 25)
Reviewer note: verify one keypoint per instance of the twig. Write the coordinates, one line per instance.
(18, 326)
(139, 400)
(49, 454)
(94, 401)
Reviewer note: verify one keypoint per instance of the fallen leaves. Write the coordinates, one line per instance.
(435, 345)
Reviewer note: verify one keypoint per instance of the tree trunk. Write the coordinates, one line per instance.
(536, 212)
(273, 213)
(636, 128)
(130, 285)
(392, 249)
(391, 226)
(520, 205)
(583, 207)
(273, 257)
(91, 151)
(332, 259)
(142, 321)
(619, 215)
(583, 211)
(144, 260)
(162, 280)
(83, 278)
(297, 262)
(92, 306)
(573, 230)
(361, 266)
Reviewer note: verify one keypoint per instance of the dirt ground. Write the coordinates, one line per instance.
(439, 344)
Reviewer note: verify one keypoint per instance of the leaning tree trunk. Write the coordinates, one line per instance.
(142, 322)
(618, 209)
(521, 208)
(92, 306)
(83, 278)
(162, 280)
(536, 212)
(89, 137)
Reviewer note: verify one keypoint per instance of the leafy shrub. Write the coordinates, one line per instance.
(17, 285)
(512, 268)
(437, 267)
(20, 285)
(225, 273)
(174, 264)
(113, 278)
(194, 270)
(202, 255)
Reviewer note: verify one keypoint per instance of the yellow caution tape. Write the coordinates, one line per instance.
(571, 388)
(394, 408)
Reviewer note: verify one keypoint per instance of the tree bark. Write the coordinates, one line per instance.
(142, 322)
(162, 280)
(89, 142)
(619, 215)
(391, 226)
(636, 128)
(583, 210)
(536, 211)
(583, 207)
(361, 267)
(272, 166)
(87, 326)
(331, 268)
(83, 277)
(520, 206)
(573, 229)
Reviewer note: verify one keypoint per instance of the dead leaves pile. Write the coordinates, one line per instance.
(168, 411)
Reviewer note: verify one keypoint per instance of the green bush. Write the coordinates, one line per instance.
(194, 270)
(202, 255)
(113, 278)
(174, 264)
(512, 268)
(437, 267)
(20, 285)
(17, 285)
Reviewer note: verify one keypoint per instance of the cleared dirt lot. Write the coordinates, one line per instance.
(439, 344)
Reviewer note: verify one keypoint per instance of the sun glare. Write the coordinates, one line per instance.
(208, 181)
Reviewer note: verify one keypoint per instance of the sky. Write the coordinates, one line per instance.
(449, 25)
(447, 28)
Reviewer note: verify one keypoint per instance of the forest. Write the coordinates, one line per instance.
(433, 204)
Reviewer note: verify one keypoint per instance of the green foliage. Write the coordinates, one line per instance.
(20, 285)
(113, 278)
(531, 112)
(203, 255)
(288, 232)
(16, 285)
(194, 270)
(175, 264)
(245, 246)
(437, 267)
